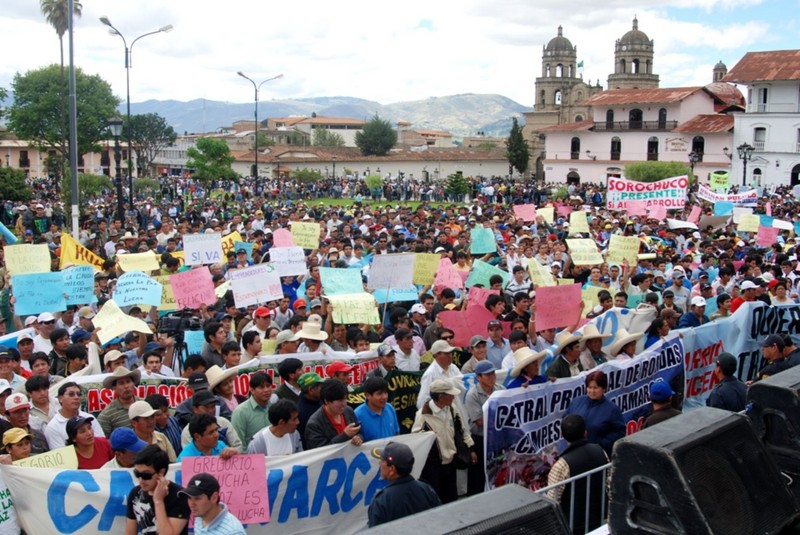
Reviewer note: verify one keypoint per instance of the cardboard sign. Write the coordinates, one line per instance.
(482, 272)
(229, 241)
(288, 261)
(622, 248)
(694, 215)
(447, 276)
(540, 275)
(247, 246)
(482, 241)
(305, 235)
(58, 458)
(526, 212)
(583, 252)
(767, 236)
(79, 285)
(168, 302)
(111, 322)
(27, 258)
(658, 212)
(391, 271)
(135, 288)
(557, 306)
(355, 309)
(255, 285)
(38, 292)
(749, 223)
(282, 238)
(578, 223)
(193, 288)
(546, 213)
(337, 281)
(146, 261)
(200, 249)
(425, 265)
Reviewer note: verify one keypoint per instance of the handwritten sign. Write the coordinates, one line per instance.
(135, 288)
(623, 247)
(193, 288)
(38, 292)
(467, 323)
(749, 223)
(390, 271)
(658, 212)
(282, 238)
(540, 276)
(578, 222)
(563, 210)
(288, 261)
(694, 215)
(73, 253)
(482, 272)
(242, 483)
(146, 261)
(739, 211)
(546, 213)
(58, 458)
(26, 258)
(767, 236)
(590, 299)
(255, 284)
(719, 181)
(199, 249)
(557, 306)
(584, 252)
(396, 295)
(482, 241)
(111, 322)
(340, 281)
(425, 265)
(305, 235)
(478, 296)
(79, 285)
(354, 309)
(229, 241)
(447, 276)
(194, 341)
(168, 302)
(526, 212)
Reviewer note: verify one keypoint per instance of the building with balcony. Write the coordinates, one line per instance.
(24, 155)
(771, 121)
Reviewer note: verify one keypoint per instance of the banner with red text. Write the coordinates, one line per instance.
(669, 193)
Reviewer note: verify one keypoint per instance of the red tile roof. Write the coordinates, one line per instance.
(766, 66)
(707, 124)
(579, 126)
(613, 97)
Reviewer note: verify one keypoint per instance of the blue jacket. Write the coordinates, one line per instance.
(604, 422)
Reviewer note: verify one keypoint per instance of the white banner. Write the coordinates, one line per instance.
(669, 193)
(746, 198)
(325, 490)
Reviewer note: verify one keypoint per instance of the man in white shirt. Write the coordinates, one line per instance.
(442, 367)
(406, 357)
(69, 396)
(281, 437)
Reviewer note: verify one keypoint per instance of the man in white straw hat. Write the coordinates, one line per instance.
(527, 369)
(568, 362)
(592, 354)
(313, 338)
(442, 367)
(624, 345)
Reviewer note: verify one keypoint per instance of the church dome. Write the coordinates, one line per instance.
(635, 36)
(721, 66)
(559, 43)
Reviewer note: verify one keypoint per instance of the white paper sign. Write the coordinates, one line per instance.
(391, 271)
(255, 284)
(289, 261)
(202, 249)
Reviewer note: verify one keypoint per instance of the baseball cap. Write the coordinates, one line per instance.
(203, 398)
(199, 485)
(30, 320)
(300, 303)
(698, 301)
(315, 303)
(140, 409)
(443, 386)
(441, 346)
(197, 381)
(24, 335)
(75, 423)
(494, 324)
(396, 454)
(308, 379)
(418, 308)
(261, 312)
(704, 287)
(385, 350)
(748, 285)
(17, 401)
(484, 367)
(727, 363)
(669, 293)
(14, 435)
(45, 316)
(5, 385)
(660, 391)
(285, 335)
(80, 335)
(774, 339)
(124, 439)
(86, 313)
(475, 340)
(338, 367)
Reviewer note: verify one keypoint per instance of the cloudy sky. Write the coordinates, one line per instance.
(381, 51)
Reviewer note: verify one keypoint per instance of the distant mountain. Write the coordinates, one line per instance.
(461, 115)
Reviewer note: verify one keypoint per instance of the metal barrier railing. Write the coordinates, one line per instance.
(587, 499)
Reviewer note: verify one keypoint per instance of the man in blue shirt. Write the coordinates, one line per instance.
(205, 439)
(376, 416)
(695, 317)
(497, 346)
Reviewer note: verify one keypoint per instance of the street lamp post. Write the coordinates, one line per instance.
(128, 65)
(333, 158)
(745, 151)
(693, 159)
(256, 88)
(115, 126)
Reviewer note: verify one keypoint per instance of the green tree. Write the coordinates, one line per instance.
(374, 182)
(150, 133)
(517, 151)
(263, 141)
(89, 185)
(653, 171)
(3, 95)
(307, 175)
(211, 160)
(146, 185)
(36, 100)
(296, 138)
(376, 138)
(457, 186)
(325, 138)
(13, 186)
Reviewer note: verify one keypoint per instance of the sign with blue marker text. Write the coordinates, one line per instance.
(79, 285)
(38, 292)
(137, 288)
(201, 249)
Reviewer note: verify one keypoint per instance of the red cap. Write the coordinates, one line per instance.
(299, 303)
(261, 312)
(337, 367)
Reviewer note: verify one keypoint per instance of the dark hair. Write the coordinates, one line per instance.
(621, 294)
(721, 298)
(38, 355)
(656, 326)
(281, 410)
(352, 335)
(573, 427)
(602, 295)
(289, 366)
(447, 293)
(333, 390)
(599, 378)
(375, 384)
(227, 347)
(519, 296)
(76, 351)
(494, 279)
(36, 383)
(260, 379)
(58, 334)
(210, 329)
(247, 339)
(194, 361)
(517, 336)
(154, 456)
(199, 423)
(157, 401)
(296, 320)
(69, 384)
(492, 300)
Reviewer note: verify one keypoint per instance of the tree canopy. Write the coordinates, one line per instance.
(517, 151)
(211, 160)
(35, 114)
(13, 186)
(376, 138)
(653, 171)
(325, 138)
(150, 133)
(307, 175)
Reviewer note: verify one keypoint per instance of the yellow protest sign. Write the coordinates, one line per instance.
(354, 308)
(547, 213)
(167, 297)
(74, 253)
(540, 275)
(565, 282)
(305, 235)
(749, 223)
(719, 181)
(27, 258)
(58, 458)
(622, 248)
(146, 262)
(578, 222)
(179, 256)
(583, 252)
(222, 289)
(589, 297)
(111, 322)
(228, 243)
(268, 346)
(425, 265)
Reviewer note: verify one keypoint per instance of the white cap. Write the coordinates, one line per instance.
(45, 316)
(418, 308)
(748, 285)
(698, 301)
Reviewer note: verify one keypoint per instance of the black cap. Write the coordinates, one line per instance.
(396, 454)
(75, 423)
(774, 340)
(197, 381)
(203, 398)
(200, 484)
(727, 363)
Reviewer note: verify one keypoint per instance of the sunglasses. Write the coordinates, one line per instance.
(144, 476)
(447, 338)
(48, 322)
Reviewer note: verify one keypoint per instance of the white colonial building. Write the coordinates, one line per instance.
(771, 121)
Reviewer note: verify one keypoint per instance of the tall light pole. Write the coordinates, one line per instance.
(128, 65)
(333, 159)
(115, 126)
(693, 159)
(745, 151)
(257, 87)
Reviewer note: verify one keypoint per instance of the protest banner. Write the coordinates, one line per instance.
(136, 288)
(669, 193)
(168, 302)
(719, 181)
(305, 235)
(58, 458)
(391, 271)
(73, 253)
(482, 272)
(355, 308)
(447, 276)
(324, 490)
(482, 241)
(246, 245)
(694, 215)
(255, 285)
(540, 275)
(578, 222)
(767, 236)
(546, 213)
(396, 295)
(146, 261)
(522, 425)
(282, 238)
(403, 388)
(26, 258)
(111, 322)
(242, 483)
(9, 236)
(745, 198)
(38, 292)
(288, 261)
(583, 252)
(525, 212)
(79, 285)
(193, 288)
(340, 281)
(622, 248)
(199, 249)
(557, 306)
(723, 208)
(425, 265)
(229, 241)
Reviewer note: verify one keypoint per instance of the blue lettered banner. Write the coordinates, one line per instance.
(325, 490)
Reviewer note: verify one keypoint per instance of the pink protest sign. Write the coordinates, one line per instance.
(767, 236)
(658, 212)
(557, 306)
(526, 212)
(282, 238)
(768, 207)
(694, 215)
(193, 288)
(636, 208)
(477, 296)
(466, 324)
(242, 483)
(563, 210)
(447, 276)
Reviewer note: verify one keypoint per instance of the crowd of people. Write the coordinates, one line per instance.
(678, 273)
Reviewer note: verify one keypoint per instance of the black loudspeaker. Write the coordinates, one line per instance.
(775, 415)
(509, 510)
(704, 472)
